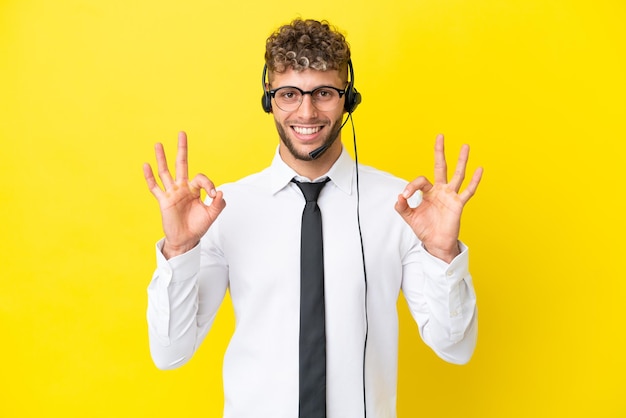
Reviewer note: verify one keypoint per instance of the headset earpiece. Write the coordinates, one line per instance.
(266, 100)
(353, 97)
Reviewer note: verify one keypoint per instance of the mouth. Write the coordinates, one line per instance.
(306, 130)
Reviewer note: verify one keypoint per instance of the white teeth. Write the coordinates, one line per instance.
(306, 131)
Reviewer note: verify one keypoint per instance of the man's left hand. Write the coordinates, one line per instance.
(437, 219)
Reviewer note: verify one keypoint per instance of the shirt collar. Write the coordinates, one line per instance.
(341, 173)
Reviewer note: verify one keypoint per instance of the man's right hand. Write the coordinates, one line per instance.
(185, 217)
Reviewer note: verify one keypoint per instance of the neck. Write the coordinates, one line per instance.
(312, 169)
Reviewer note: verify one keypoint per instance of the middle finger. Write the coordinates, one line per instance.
(441, 168)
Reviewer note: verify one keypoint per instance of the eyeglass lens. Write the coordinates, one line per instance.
(290, 98)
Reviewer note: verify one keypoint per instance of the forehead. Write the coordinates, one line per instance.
(306, 79)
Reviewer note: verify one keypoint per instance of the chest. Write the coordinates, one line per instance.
(260, 241)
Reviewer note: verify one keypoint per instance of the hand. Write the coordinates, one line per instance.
(185, 217)
(437, 219)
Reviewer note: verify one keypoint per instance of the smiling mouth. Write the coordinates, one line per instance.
(306, 130)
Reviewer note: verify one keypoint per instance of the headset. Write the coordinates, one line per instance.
(353, 97)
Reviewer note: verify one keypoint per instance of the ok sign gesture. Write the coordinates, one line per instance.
(437, 219)
(185, 217)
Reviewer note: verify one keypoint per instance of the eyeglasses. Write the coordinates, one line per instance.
(324, 98)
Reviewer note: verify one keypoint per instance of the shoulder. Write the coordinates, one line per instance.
(249, 183)
(379, 180)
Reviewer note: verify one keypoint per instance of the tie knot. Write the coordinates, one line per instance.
(311, 191)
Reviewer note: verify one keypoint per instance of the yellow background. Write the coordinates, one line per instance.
(536, 87)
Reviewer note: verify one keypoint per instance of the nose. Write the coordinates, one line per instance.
(307, 109)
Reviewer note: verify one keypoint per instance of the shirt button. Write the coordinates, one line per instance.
(450, 273)
(454, 313)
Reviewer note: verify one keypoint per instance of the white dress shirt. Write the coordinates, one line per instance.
(253, 250)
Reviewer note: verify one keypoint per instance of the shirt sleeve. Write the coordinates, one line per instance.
(442, 300)
(184, 296)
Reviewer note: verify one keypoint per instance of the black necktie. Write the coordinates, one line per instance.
(312, 311)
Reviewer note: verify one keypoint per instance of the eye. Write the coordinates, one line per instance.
(288, 94)
(324, 94)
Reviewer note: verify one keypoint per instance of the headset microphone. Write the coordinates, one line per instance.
(318, 151)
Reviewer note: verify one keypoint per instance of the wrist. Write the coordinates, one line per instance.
(444, 254)
(170, 251)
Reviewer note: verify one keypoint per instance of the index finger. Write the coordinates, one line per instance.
(441, 168)
(182, 171)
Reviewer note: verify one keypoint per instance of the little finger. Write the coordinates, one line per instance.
(471, 188)
(151, 181)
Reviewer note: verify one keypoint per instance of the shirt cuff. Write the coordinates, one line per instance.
(451, 284)
(168, 272)
(457, 267)
(179, 268)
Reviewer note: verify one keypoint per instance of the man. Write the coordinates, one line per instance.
(375, 244)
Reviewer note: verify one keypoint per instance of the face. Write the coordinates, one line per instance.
(307, 128)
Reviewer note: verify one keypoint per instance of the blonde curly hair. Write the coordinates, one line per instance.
(304, 44)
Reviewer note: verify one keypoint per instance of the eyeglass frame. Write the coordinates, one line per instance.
(272, 93)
